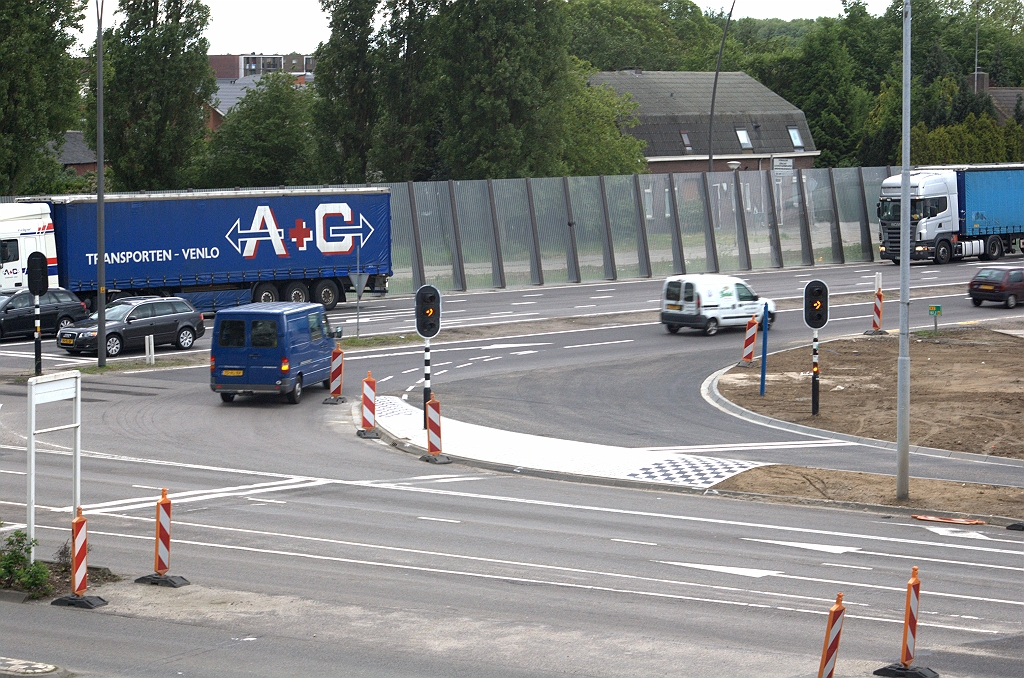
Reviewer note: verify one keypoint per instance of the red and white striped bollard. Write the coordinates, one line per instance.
(876, 317)
(369, 425)
(434, 456)
(830, 651)
(902, 667)
(79, 568)
(337, 377)
(749, 339)
(162, 550)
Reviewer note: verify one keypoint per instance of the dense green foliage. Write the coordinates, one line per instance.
(157, 83)
(16, 572)
(38, 88)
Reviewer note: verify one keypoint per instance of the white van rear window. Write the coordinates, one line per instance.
(672, 291)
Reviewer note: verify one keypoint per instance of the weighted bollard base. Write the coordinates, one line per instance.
(82, 602)
(875, 332)
(368, 434)
(902, 671)
(334, 401)
(435, 459)
(170, 580)
(744, 363)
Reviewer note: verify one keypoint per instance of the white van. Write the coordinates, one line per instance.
(707, 302)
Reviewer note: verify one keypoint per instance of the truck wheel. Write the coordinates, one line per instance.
(993, 249)
(672, 329)
(297, 292)
(326, 293)
(227, 397)
(295, 395)
(1011, 301)
(186, 337)
(896, 260)
(943, 252)
(113, 346)
(711, 329)
(265, 293)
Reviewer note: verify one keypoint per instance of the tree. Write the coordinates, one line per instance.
(618, 34)
(502, 89)
(593, 136)
(157, 86)
(345, 103)
(699, 36)
(266, 138)
(38, 85)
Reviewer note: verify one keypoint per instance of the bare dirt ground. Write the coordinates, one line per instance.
(965, 393)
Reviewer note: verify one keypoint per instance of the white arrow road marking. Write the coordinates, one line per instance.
(956, 532)
(827, 548)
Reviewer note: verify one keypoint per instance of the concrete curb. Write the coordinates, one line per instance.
(709, 391)
(403, 445)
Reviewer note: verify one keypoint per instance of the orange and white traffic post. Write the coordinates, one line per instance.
(833, 630)
(876, 316)
(749, 339)
(79, 567)
(337, 377)
(434, 455)
(903, 668)
(369, 425)
(162, 551)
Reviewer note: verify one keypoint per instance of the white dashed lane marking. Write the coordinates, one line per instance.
(600, 343)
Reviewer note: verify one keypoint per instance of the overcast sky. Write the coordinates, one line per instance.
(275, 27)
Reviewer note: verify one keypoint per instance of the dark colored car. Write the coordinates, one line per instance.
(58, 308)
(1003, 284)
(170, 320)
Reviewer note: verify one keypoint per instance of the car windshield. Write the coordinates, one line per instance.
(115, 312)
(990, 274)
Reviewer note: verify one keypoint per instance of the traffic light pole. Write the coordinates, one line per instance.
(39, 343)
(426, 379)
(814, 374)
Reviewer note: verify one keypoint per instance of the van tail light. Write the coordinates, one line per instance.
(284, 365)
(698, 304)
(213, 365)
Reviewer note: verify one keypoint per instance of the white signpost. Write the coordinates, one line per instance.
(51, 388)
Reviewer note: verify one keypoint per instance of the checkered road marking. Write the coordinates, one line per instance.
(693, 471)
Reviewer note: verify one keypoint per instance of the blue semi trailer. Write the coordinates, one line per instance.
(956, 212)
(217, 249)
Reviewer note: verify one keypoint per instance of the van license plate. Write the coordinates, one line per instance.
(672, 307)
(67, 341)
(232, 373)
(988, 287)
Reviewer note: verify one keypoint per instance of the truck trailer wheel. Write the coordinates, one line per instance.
(943, 252)
(296, 291)
(265, 292)
(993, 249)
(326, 292)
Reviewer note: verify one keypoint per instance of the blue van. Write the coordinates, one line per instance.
(273, 347)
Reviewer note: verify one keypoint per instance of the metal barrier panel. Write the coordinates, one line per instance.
(658, 222)
(852, 219)
(552, 228)
(620, 192)
(820, 215)
(473, 208)
(757, 209)
(401, 240)
(787, 202)
(437, 235)
(723, 216)
(873, 178)
(513, 212)
(585, 193)
(693, 220)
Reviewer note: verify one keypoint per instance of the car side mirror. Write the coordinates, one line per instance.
(878, 210)
(337, 333)
(129, 319)
(756, 297)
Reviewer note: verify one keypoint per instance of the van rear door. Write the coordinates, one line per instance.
(265, 350)
(689, 299)
(230, 352)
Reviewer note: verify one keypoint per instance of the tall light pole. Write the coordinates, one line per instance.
(714, 93)
(101, 264)
(903, 362)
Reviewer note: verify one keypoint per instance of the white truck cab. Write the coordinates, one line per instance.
(934, 217)
(25, 228)
(709, 301)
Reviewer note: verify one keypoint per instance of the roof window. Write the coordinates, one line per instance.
(686, 141)
(744, 138)
(794, 136)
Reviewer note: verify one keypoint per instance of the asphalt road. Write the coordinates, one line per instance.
(312, 551)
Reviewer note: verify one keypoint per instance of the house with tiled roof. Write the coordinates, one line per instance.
(752, 124)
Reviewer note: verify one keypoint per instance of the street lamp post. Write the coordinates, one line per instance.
(101, 268)
(903, 362)
(714, 93)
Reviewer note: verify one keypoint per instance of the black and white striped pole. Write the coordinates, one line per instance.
(428, 324)
(815, 317)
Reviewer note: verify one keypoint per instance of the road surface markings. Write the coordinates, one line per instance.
(600, 343)
(539, 294)
(148, 487)
(934, 277)
(630, 541)
(586, 306)
(502, 312)
(863, 270)
(443, 364)
(524, 580)
(269, 501)
(438, 374)
(728, 447)
(381, 381)
(852, 567)
(523, 303)
(410, 388)
(454, 301)
(479, 357)
(163, 369)
(420, 380)
(463, 365)
(606, 296)
(610, 289)
(438, 520)
(16, 473)
(487, 360)
(858, 551)
(412, 370)
(522, 352)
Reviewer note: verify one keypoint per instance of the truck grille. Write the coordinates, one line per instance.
(891, 240)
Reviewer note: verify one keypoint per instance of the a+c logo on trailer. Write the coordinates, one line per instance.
(300, 234)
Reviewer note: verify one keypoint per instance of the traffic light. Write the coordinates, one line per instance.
(816, 304)
(38, 275)
(428, 311)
